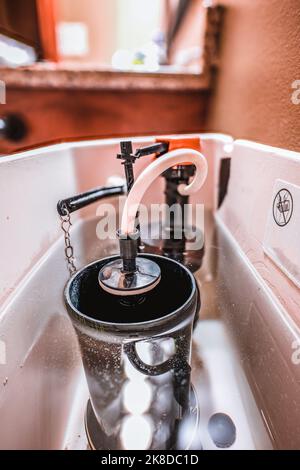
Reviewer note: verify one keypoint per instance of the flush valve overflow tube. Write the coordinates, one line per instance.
(133, 275)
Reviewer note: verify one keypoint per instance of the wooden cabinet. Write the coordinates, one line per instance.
(61, 105)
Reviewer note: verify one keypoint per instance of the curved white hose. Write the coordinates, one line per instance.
(155, 169)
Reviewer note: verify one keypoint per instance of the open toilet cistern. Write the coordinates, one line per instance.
(132, 274)
(121, 303)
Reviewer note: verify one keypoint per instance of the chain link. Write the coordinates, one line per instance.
(66, 225)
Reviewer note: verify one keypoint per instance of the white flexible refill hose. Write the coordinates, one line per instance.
(155, 169)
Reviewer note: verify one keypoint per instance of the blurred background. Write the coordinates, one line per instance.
(84, 69)
(139, 35)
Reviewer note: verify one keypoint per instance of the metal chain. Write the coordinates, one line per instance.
(66, 225)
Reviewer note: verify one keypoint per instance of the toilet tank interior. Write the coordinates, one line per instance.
(249, 320)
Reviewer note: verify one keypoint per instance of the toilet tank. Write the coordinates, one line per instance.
(251, 223)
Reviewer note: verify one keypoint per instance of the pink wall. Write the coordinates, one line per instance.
(100, 18)
(259, 62)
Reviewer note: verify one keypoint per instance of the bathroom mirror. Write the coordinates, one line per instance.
(122, 35)
(19, 33)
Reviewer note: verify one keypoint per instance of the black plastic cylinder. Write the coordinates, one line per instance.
(128, 250)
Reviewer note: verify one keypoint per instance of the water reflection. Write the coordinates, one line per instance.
(137, 396)
(137, 433)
